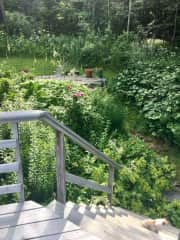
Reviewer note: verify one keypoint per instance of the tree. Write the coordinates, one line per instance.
(129, 16)
(2, 13)
(175, 22)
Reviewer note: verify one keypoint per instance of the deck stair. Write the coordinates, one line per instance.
(62, 220)
(29, 220)
(110, 223)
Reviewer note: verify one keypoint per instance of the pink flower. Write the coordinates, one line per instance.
(78, 94)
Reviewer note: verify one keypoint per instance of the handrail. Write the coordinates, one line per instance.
(61, 131)
(18, 116)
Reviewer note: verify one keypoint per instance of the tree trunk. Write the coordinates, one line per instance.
(2, 11)
(129, 16)
(108, 15)
(175, 23)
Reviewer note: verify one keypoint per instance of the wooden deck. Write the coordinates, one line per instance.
(30, 220)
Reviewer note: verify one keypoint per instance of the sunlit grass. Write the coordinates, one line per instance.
(36, 66)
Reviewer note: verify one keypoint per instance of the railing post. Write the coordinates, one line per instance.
(18, 160)
(60, 168)
(110, 183)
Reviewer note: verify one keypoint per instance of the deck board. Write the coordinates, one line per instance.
(30, 220)
(30, 216)
(75, 235)
(37, 230)
(18, 207)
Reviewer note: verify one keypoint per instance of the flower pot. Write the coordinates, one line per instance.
(88, 72)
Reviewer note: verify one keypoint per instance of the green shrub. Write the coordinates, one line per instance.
(121, 52)
(140, 183)
(41, 176)
(4, 88)
(18, 24)
(111, 109)
(90, 50)
(173, 212)
(153, 87)
(143, 179)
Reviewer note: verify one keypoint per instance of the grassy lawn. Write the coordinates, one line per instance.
(42, 66)
(36, 66)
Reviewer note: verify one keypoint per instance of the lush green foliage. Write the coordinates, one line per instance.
(173, 212)
(153, 87)
(4, 88)
(90, 50)
(86, 50)
(143, 98)
(158, 19)
(143, 179)
(141, 182)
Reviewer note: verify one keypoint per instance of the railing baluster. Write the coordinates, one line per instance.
(61, 131)
(18, 159)
(60, 168)
(110, 183)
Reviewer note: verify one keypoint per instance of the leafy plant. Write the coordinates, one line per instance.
(153, 87)
(139, 184)
(173, 212)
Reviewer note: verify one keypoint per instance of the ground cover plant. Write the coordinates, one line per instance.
(154, 88)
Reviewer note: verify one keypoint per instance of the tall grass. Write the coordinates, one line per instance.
(89, 50)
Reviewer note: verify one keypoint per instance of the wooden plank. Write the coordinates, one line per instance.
(102, 227)
(74, 235)
(110, 183)
(37, 230)
(4, 144)
(86, 183)
(30, 216)
(9, 167)
(60, 168)
(13, 188)
(17, 207)
(18, 160)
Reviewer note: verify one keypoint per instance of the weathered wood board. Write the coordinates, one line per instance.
(30, 220)
(37, 230)
(18, 207)
(30, 216)
(75, 235)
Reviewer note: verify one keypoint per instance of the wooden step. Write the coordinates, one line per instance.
(5, 144)
(73, 235)
(13, 188)
(100, 226)
(30, 220)
(167, 232)
(9, 167)
(18, 207)
(37, 230)
(85, 223)
(26, 217)
(118, 215)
